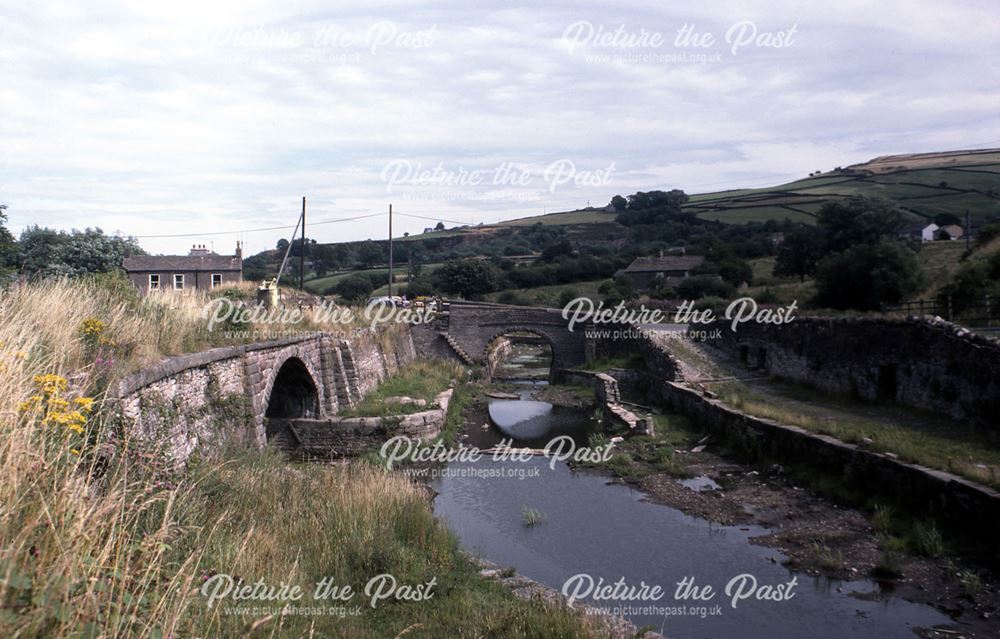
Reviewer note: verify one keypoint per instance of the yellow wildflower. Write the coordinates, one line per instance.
(91, 328)
(56, 408)
(51, 385)
(85, 404)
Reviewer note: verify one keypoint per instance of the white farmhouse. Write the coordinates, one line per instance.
(927, 233)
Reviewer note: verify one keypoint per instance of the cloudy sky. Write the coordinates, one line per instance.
(213, 119)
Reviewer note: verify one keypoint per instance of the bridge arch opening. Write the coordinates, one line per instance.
(520, 353)
(294, 393)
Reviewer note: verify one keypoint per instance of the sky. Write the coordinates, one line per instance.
(211, 120)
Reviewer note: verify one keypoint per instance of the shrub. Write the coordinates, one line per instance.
(969, 287)
(867, 275)
(567, 296)
(699, 286)
(987, 234)
(468, 278)
(354, 288)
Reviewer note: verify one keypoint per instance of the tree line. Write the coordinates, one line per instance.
(45, 252)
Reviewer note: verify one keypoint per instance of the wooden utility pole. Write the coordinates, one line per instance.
(288, 249)
(390, 250)
(968, 229)
(302, 248)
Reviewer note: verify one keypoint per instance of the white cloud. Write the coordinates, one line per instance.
(152, 118)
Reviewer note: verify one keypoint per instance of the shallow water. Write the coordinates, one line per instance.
(611, 531)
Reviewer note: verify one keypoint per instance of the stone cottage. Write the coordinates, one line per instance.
(646, 273)
(201, 269)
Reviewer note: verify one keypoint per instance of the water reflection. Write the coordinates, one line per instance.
(610, 531)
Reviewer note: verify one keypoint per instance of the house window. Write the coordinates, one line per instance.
(154, 281)
(216, 279)
(178, 281)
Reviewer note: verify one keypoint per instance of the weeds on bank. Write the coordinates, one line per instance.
(967, 453)
(827, 558)
(639, 456)
(972, 583)
(927, 539)
(422, 379)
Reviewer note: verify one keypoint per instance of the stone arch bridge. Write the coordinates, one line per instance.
(225, 394)
(467, 329)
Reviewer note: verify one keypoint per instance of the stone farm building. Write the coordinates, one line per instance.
(648, 273)
(201, 269)
(950, 232)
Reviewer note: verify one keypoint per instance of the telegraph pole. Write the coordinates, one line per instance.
(302, 248)
(390, 251)
(968, 229)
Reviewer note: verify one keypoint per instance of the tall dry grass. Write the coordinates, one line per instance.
(87, 529)
(101, 538)
(83, 534)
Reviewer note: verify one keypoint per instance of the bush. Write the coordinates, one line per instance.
(865, 276)
(468, 278)
(987, 234)
(699, 286)
(354, 288)
(422, 285)
(969, 287)
(567, 296)
(994, 266)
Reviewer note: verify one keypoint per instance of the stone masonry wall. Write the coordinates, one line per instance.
(474, 326)
(337, 437)
(926, 364)
(608, 397)
(202, 401)
(500, 350)
(923, 489)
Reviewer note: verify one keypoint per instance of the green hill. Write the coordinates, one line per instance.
(927, 184)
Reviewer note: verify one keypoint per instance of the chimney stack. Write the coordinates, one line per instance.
(239, 249)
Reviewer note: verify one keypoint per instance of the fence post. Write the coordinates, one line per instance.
(949, 308)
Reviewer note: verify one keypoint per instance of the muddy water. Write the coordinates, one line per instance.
(609, 532)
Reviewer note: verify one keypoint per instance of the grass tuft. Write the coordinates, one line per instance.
(531, 517)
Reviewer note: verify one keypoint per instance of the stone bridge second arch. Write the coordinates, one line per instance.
(473, 326)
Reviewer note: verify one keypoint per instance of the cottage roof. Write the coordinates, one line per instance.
(211, 262)
(662, 264)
